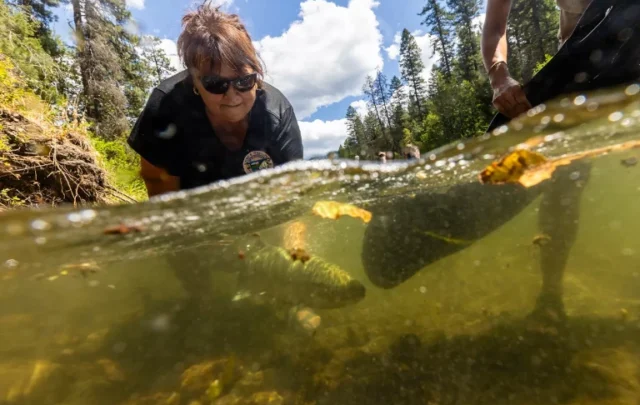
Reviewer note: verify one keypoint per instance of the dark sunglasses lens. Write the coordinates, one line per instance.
(215, 86)
(245, 83)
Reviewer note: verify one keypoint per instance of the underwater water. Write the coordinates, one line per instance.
(160, 310)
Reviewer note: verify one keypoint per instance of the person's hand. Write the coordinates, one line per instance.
(508, 95)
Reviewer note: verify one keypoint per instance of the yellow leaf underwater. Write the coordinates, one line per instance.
(334, 210)
(530, 168)
(510, 168)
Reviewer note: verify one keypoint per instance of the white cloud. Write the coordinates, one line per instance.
(394, 50)
(361, 108)
(321, 137)
(478, 22)
(223, 3)
(425, 43)
(137, 4)
(325, 56)
(170, 48)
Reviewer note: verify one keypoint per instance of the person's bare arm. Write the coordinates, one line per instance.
(494, 32)
(157, 180)
(508, 96)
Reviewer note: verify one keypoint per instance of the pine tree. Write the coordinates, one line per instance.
(103, 101)
(383, 96)
(157, 59)
(398, 95)
(532, 23)
(400, 117)
(114, 77)
(412, 67)
(468, 55)
(19, 42)
(356, 141)
(370, 91)
(41, 11)
(440, 21)
(373, 135)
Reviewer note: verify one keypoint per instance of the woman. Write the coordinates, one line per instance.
(217, 119)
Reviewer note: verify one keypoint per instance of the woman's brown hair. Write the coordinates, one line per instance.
(211, 38)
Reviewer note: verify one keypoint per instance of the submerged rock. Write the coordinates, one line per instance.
(266, 398)
(231, 399)
(111, 369)
(160, 398)
(250, 383)
(198, 378)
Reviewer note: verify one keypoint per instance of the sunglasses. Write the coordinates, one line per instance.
(218, 85)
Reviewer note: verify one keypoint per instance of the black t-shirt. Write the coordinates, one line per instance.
(174, 133)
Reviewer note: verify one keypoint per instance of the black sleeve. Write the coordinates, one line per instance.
(288, 141)
(154, 134)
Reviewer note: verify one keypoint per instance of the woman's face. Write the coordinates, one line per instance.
(232, 106)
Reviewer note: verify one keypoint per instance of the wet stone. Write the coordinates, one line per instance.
(198, 378)
(250, 383)
(266, 398)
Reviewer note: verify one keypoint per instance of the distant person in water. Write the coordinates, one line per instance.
(411, 152)
(407, 234)
(215, 120)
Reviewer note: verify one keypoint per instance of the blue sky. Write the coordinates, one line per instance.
(317, 52)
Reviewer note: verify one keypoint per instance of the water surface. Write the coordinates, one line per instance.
(457, 332)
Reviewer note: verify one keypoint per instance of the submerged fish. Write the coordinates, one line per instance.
(275, 274)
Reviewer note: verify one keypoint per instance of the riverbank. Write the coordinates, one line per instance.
(48, 156)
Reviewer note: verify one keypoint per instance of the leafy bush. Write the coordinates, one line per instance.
(123, 165)
(542, 64)
(18, 41)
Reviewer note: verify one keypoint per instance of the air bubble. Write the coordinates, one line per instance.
(579, 100)
(581, 77)
(545, 120)
(11, 263)
(632, 90)
(423, 290)
(558, 118)
(74, 217)
(460, 146)
(40, 240)
(160, 323)
(168, 133)
(628, 252)
(625, 34)
(616, 116)
(40, 225)
(88, 215)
